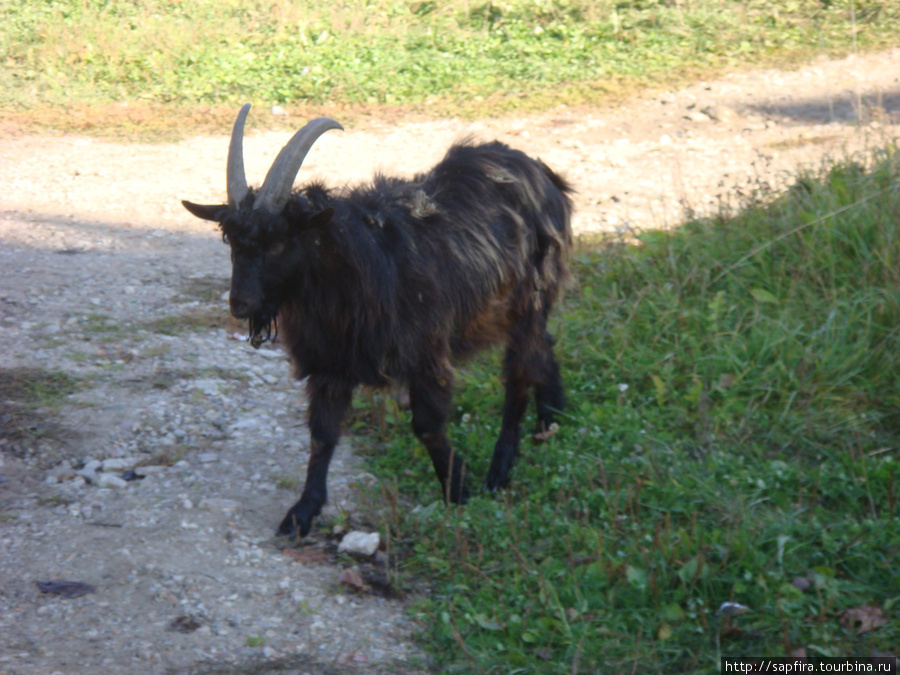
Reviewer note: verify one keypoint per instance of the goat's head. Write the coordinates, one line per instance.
(256, 225)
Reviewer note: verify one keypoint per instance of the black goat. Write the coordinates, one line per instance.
(389, 282)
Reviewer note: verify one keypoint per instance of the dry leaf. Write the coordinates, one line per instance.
(351, 577)
(547, 434)
(863, 619)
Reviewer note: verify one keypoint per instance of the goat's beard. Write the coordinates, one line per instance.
(263, 328)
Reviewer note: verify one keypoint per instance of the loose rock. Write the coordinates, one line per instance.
(110, 480)
(219, 504)
(119, 463)
(360, 543)
(720, 113)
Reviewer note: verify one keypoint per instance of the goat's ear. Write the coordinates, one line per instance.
(321, 219)
(214, 212)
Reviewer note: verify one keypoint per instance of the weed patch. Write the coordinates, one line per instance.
(732, 436)
(32, 388)
(102, 327)
(30, 400)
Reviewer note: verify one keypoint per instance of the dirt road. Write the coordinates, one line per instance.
(107, 279)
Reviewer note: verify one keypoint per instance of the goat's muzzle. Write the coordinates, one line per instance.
(262, 327)
(240, 309)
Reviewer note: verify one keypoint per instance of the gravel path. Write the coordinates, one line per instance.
(106, 279)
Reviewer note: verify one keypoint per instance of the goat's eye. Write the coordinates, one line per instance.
(276, 249)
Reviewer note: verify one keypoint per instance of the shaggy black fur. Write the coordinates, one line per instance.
(392, 281)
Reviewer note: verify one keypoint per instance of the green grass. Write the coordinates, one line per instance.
(733, 426)
(104, 66)
(30, 402)
(31, 388)
(256, 641)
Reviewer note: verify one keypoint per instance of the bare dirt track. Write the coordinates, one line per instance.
(106, 279)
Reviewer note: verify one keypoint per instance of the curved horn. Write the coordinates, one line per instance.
(237, 180)
(276, 188)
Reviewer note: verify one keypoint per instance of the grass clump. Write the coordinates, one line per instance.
(30, 403)
(90, 58)
(32, 388)
(732, 436)
(256, 641)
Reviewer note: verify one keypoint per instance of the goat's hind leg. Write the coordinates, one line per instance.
(328, 402)
(507, 446)
(529, 361)
(429, 398)
(549, 395)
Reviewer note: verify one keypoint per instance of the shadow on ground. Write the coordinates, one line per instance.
(845, 107)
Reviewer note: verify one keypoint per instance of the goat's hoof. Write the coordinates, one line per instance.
(486, 487)
(294, 526)
(494, 485)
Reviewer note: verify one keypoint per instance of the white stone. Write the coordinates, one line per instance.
(219, 504)
(362, 543)
(64, 468)
(245, 423)
(720, 113)
(120, 463)
(211, 387)
(110, 480)
(91, 465)
(150, 469)
(90, 475)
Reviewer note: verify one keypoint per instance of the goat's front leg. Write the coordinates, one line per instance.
(429, 399)
(328, 402)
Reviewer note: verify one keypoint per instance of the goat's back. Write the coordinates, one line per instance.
(505, 229)
(442, 264)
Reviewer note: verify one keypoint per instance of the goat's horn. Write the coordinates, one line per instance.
(237, 180)
(276, 188)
